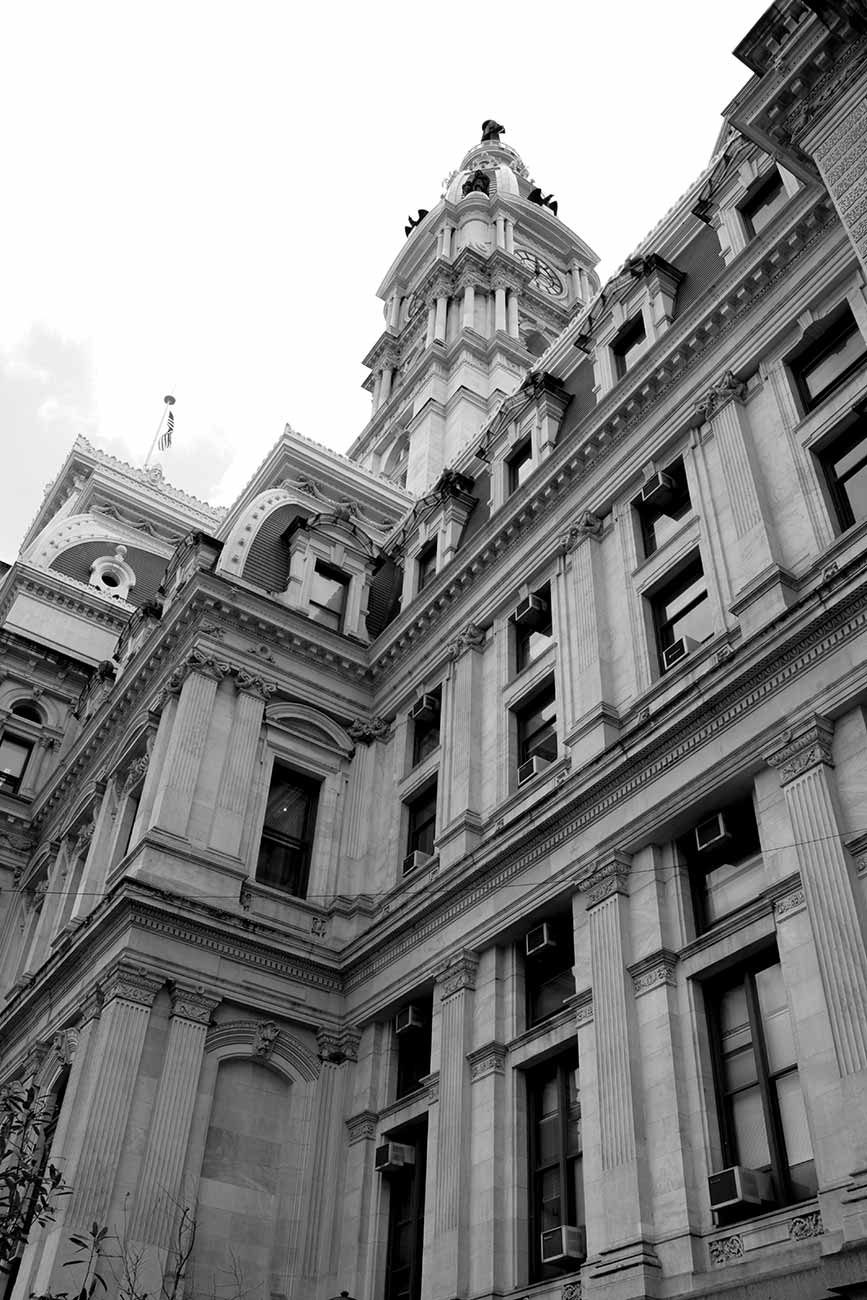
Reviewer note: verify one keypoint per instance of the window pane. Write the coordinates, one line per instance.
(855, 487)
(764, 206)
(749, 1123)
(683, 597)
(288, 807)
(548, 1138)
(823, 372)
(793, 1116)
(774, 1006)
(13, 757)
(551, 1200)
(731, 885)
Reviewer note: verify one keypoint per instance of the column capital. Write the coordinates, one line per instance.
(726, 389)
(192, 1002)
(586, 525)
(802, 747)
(249, 684)
(472, 637)
(609, 875)
(457, 974)
(362, 1126)
(365, 730)
(337, 1045)
(130, 982)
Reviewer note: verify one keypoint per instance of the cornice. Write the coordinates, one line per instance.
(66, 593)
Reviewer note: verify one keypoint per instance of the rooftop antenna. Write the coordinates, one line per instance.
(169, 401)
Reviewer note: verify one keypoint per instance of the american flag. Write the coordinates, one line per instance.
(166, 439)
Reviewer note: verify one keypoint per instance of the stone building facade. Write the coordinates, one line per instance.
(445, 871)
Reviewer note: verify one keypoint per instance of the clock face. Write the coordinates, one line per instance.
(543, 275)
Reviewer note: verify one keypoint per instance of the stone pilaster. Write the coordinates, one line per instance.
(449, 1212)
(461, 763)
(803, 760)
(592, 723)
(184, 752)
(321, 1247)
(624, 1258)
(234, 787)
(358, 1230)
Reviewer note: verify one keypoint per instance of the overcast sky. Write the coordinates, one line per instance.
(202, 198)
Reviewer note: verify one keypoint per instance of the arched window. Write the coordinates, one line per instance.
(24, 709)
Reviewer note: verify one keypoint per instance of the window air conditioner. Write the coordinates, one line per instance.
(539, 939)
(532, 612)
(425, 709)
(658, 492)
(563, 1244)
(678, 650)
(392, 1156)
(531, 768)
(413, 861)
(738, 1186)
(409, 1018)
(710, 832)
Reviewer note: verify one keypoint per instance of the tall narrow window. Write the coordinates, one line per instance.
(421, 826)
(662, 505)
(14, 754)
(412, 1031)
(763, 1120)
(533, 627)
(537, 727)
(763, 203)
(628, 345)
(406, 1220)
(520, 465)
(425, 715)
(287, 835)
(827, 362)
(724, 857)
(549, 958)
(426, 565)
(328, 596)
(556, 1182)
(682, 614)
(844, 462)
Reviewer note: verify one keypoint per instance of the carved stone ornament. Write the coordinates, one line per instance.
(459, 974)
(193, 1004)
(319, 926)
(583, 1004)
(136, 772)
(653, 971)
(131, 983)
(266, 1036)
(365, 730)
(571, 1291)
(471, 637)
(725, 390)
(245, 897)
(725, 1249)
(63, 1045)
(609, 876)
(361, 1127)
(337, 1045)
(586, 525)
(490, 1059)
(790, 903)
(253, 685)
(801, 748)
(806, 1225)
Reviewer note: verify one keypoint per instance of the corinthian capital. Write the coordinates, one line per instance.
(800, 748)
(726, 389)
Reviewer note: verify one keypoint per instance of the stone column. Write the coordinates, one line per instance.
(500, 292)
(185, 751)
(159, 1197)
(512, 313)
(359, 1237)
(802, 757)
(321, 1249)
(501, 232)
(460, 770)
(622, 1191)
(449, 1213)
(49, 891)
(442, 304)
(385, 388)
(490, 1141)
(234, 788)
(592, 723)
(509, 230)
(469, 313)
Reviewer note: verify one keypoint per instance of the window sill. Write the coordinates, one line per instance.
(416, 777)
(656, 566)
(558, 1030)
(737, 1244)
(528, 678)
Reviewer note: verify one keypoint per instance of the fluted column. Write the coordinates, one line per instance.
(321, 1251)
(234, 787)
(622, 1175)
(461, 762)
(185, 751)
(449, 1213)
(592, 723)
(804, 763)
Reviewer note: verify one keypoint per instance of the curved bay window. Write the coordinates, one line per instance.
(556, 1180)
(287, 835)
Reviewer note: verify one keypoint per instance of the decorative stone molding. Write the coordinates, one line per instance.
(725, 390)
(431, 1085)
(192, 1003)
(136, 772)
(806, 1225)
(652, 971)
(458, 974)
(319, 926)
(489, 1059)
(131, 983)
(583, 1004)
(249, 684)
(267, 1032)
(365, 730)
(586, 525)
(571, 1291)
(472, 637)
(337, 1045)
(800, 748)
(245, 896)
(610, 875)
(64, 1044)
(790, 903)
(725, 1249)
(361, 1127)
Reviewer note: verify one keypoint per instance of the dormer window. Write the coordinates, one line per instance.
(628, 344)
(763, 203)
(328, 588)
(520, 465)
(426, 565)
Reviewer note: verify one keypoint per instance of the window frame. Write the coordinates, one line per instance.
(524, 706)
(631, 334)
(535, 1078)
(843, 439)
(700, 865)
(324, 569)
(426, 565)
(415, 831)
(519, 456)
(648, 514)
(672, 583)
(541, 972)
(839, 326)
(12, 785)
(302, 845)
(423, 733)
(409, 1047)
(414, 1175)
(523, 636)
(754, 201)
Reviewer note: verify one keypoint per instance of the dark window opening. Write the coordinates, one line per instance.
(328, 595)
(422, 821)
(628, 344)
(287, 835)
(14, 754)
(555, 1159)
(27, 711)
(426, 729)
(406, 1219)
(426, 565)
(520, 465)
(413, 1045)
(828, 362)
(536, 721)
(844, 463)
(660, 511)
(682, 615)
(534, 637)
(723, 854)
(763, 203)
(548, 969)
(763, 1120)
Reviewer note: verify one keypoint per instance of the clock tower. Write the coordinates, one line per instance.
(486, 280)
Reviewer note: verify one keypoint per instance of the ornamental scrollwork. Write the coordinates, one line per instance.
(459, 974)
(472, 637)
(609, 876)
(490, 1059)
(365, 730)
(63, 1044)
(571, 1291)
(361, 1127)
(192, 1004)
(586, 525)
(132, 984)
(725, 1249)
(136, 772)
(725, 390)
(806, 1225)
(799, 750)
(792, 902)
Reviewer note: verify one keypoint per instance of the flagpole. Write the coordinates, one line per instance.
(169, 401)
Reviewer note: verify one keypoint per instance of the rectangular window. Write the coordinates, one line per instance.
(426, 726)
(14, 754)
(549, 958)
(534, 630)
(328, 595)
(682, 615)
(662, 505)
(724, 857)
(537, 726)
(426, 565)
(844, 462)
(763, 203)
(287, 836)
(422, 822)
(763, 1120)
(827, 362)
(556, 1182)
(520, 465)
(628, 344)
(406, 1220)
(413, 1038)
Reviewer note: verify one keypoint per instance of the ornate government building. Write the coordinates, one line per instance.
(443, 874)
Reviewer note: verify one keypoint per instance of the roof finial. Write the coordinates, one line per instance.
(491, 131)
